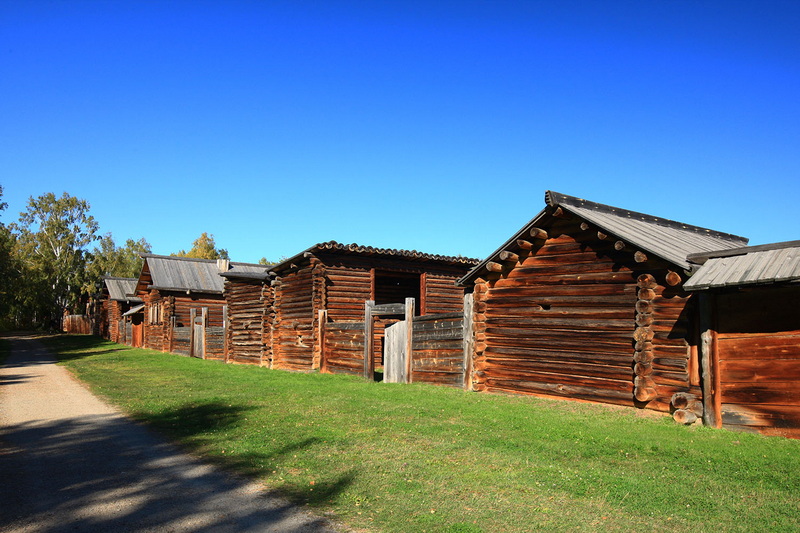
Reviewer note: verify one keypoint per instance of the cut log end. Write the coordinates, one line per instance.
(640, 257)
(682, 416)
(645, 394)
(673, 278)
(539, 233)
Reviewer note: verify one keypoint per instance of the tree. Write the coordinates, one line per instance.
(51, 244)
(108, 259)
(204, 247)
(8, 268)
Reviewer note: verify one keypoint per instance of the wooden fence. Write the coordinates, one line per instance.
(77, 324)
(429, 349)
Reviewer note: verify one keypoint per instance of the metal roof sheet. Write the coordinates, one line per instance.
(668, 239)
(754, 265)
(183, 273)
(121, 289)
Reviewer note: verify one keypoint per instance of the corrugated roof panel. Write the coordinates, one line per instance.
(666, 241)
(757, 267)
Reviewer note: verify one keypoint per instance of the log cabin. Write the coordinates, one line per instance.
(116, 299)
(275, 318)
(750, 337)
(184, 307)
(587, 302)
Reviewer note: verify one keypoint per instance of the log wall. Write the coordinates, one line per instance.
(567, 318)
(293, 333)
(246, 322)
(758, 354)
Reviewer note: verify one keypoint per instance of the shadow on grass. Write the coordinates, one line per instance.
(191, 424)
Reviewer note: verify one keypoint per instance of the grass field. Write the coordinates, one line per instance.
(383, 457)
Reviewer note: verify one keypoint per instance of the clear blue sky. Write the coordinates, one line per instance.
(426, 125)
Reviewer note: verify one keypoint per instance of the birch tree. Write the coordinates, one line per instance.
(53, 237)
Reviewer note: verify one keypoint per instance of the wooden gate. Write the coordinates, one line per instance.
(198, 340)
(395, 358)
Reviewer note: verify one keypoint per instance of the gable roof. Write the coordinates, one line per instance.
(370, 251)
(749, 265)
(121, 289)
(668, 239)
(188, 274)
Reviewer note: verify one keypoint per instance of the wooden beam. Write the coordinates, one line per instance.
(602, 236)
(509, 256)
(640, 257)
(584, 226)
(539, 233)
(491, 266)
(409, 337)
(368, 334)
(619, 246)
(558, 212)
(525, 245)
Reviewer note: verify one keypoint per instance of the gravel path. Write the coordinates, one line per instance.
(70, 462)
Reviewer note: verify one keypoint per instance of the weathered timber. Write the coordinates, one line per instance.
(640, 257)
(538, 233)
(509, 256)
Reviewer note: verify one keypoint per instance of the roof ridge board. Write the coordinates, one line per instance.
(195, 259)
(743, 250)
(361, 248)
(556, 199)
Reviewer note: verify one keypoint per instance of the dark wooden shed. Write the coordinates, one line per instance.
(184, 307)
(329, 283)
(750, 325)
(117, 298)
(586, 302)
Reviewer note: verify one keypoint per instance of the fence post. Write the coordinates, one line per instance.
(369, 362)
(468, 342)
(321, 322)
(409, 337)
(203, 330)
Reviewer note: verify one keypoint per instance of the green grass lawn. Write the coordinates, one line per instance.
(386, 457)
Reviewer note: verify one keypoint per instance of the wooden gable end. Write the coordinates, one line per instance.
(572, 312)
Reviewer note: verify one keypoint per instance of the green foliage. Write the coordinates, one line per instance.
(120, 261)
(51, 247)
(421, 458)
(204, 247)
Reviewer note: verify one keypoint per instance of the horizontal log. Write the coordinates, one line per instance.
(640, 257)
(602, 236)
(682, 416)
(491, 266)
(619, 246)
(509, 256)
(538, 233)
(645, 394)
(584, 226)
(525, 245)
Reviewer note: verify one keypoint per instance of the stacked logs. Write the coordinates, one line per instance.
(478, 382)
(644, 385)
(688, 409)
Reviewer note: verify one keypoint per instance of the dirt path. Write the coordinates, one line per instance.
(70, 462)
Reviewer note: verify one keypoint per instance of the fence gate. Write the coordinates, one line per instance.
(394, 358)
(398, 350)
(199, 333)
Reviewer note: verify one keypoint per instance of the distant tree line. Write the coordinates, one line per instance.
(52, 260)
